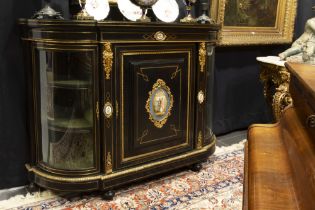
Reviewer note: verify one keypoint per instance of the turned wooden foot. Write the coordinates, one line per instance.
(109, 195)
(196, 167)
(32, 187)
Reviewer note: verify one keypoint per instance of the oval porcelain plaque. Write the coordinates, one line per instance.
(159, 103)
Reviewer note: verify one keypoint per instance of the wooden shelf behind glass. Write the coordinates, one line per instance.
(71, 84)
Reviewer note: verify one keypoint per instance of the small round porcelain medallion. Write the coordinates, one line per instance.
(159, 36)
(108, 110)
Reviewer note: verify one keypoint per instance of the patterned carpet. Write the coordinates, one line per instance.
(217, 186)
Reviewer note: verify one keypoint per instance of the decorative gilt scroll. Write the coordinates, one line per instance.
(174, 74)
(97, 110)
(144, 134)
(173, 128)
(109, 166)
(276, 81)
(281, 100)
(202, 56)
(199, 140)
(117, 108)
(159, 103)
(107, 59)
(144, 76)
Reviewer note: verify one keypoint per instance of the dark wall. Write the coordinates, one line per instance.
(238, 96)
(238, 92)
(14, 144)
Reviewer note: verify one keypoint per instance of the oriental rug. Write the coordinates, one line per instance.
(217, 186)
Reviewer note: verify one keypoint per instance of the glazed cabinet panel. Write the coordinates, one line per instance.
(155, 86)
(66, 95)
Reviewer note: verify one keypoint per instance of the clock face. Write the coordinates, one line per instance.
(129, 10)
(99, 9)
(166, 10)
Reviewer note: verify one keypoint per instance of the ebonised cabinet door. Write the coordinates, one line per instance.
(155, 87)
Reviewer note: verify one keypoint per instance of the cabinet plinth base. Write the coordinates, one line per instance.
(118, 178)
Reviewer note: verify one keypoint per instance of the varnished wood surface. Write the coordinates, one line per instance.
(279, 173)
(245, 184)
(270, 183)
(303, 76)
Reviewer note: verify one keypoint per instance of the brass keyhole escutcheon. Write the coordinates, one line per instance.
(310, 121)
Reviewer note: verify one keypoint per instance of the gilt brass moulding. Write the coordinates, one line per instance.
(160, 103)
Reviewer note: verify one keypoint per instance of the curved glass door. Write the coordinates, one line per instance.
(66, 101)
(209, 94)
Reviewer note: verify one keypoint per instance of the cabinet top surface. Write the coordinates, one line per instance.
(92, 23)
(115, 31)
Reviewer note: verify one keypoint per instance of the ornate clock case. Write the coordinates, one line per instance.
(115, 102)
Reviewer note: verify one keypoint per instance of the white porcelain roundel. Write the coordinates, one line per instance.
(166, 10)
(129, 10)
(99, 9)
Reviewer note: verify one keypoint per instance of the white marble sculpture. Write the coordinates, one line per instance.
(303, 49)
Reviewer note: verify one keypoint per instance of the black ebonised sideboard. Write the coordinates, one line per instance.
(115, 102)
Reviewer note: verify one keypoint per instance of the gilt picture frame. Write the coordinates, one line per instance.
(254, 22)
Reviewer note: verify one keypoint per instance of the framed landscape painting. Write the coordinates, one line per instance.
(247, 22)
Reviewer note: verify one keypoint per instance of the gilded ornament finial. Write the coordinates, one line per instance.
(107, 59)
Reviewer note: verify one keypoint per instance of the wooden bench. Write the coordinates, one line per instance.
(280, 158)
